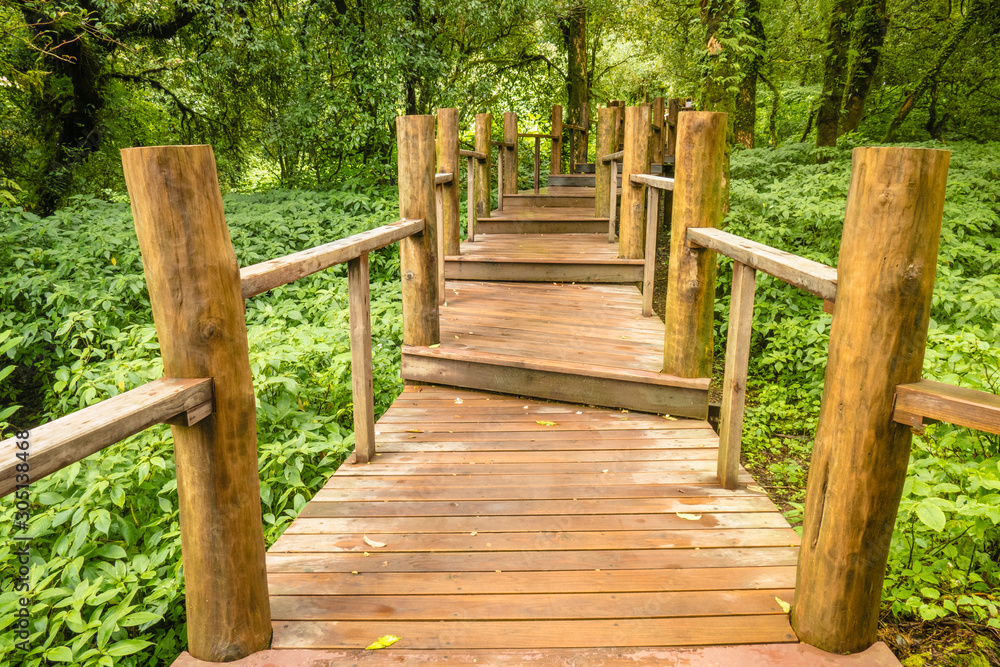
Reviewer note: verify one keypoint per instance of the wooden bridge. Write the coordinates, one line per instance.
(546, 489)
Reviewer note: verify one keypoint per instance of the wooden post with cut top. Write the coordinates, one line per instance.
(607, 129)
(632, 227)
(418, 253)
(697, 202)
(885, 279)
(510, 153)
(659, 134)
(555, 157)
(670, 142)
(194, 289)
(484, 131)
(447, 162)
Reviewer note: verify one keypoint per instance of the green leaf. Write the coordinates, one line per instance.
(60, 654)
(112, 551)
(382, 642)
(128, 647)
(931, 516)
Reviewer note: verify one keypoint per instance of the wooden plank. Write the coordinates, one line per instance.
(482, 157)
(685, 631)
(813, 277)
(72, 438)
(379, 582)
(264, 276)
(658, 182)
(734, 382)
(974, 409)
(479, 492)
(543, 226)
(530, 200)
(442, 178)
(383, 468)
(613, 156)
(362, 390)
(649, 251)
(473, 268)
(671, 569)
(528, 607)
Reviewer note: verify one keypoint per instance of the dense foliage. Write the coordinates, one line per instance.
(106, 570)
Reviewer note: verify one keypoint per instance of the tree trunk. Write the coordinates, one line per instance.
(834, 66)
(718, 18)
(867, 36)
(746, 99)
(976, 10)
(577, 95)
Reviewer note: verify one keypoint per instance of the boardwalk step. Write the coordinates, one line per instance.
(531, 200)
(562, 381)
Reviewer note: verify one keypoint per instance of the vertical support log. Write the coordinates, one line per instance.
(418, 253)
(734, 383)
(194, 290)
(484, 170)
(888, 258)
(439, 210)
(649, 255)
(607, 124)
(362, 390)
(698, 190)
(673, 111)
(510, 154)
(613, 202)
(500, 161)
(659, 136)
(447, 162)
(572, 151)
(537, 165)
(635, 161)
(470, 200)
(555, 159)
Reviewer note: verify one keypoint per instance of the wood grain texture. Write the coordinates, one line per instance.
(539, 545)
(484, 169)
(697, 202)
(76, 436)
(194, 289)
(509, 153)
(888, 258)
(555, 153)
(649, 251)
(632, 228)
(362, 390)
(944, 402)
(607, 129)
(470, 200)
(659, 182)
(446, 150)
(656, 139)
(813, 277)
(259, 278)
(670, 136)
(734, 381)
(613, 177)
(418, 253)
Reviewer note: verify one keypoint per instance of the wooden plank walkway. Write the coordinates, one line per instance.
(514, 524)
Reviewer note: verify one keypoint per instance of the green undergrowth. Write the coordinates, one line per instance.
(944, 561)
(76, 328)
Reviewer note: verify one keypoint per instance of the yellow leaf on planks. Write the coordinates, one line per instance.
(382, 642)
(755, 488)
(785, 607)
(435, 345)
(546, 423)
(413, 430)
(689, 517)
(372, 543)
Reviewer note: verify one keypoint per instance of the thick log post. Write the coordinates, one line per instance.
(194, 290)
(362, 385)
(631, 235)
(447, 162)
(510, 154)
(418, 253)
(484, 132)
(659, 136)
(888, 258)
(555, 159)
(673, 111)
(697, 202)
(607, 128)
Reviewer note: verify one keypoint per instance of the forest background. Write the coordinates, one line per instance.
(299, 98)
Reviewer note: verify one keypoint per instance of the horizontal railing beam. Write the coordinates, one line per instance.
(813, 277)
(72, 438)
(259, 278)
(658, 182)
(504, 144)
(568, 126)
(537, 135)
(446, 177)
(613, 157)
(961, 406)
(482, 157)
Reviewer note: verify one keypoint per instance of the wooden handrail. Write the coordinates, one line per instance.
(813, 277)
(568, 126)
(482, 157)
(503, 144)
(658, 182)
(537, 135)
(441, 179)
(614, 156)
(72, 438)
(259, 278)
(961, 406)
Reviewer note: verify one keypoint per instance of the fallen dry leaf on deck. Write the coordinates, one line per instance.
(435, 345)
(382, 642)
(673, 419)
(689, 517)
(372, 543)
(755, 488)
(785, 607)
(546, 423)
(413, 430)
(458, 401)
